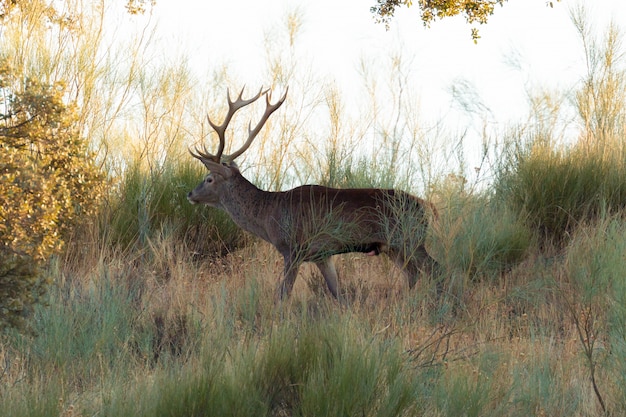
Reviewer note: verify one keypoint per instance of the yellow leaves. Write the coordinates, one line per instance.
(46, 175)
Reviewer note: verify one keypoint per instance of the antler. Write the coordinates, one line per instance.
(269, 109)
(210, 160)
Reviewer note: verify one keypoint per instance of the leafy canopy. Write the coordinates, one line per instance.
(474, 11)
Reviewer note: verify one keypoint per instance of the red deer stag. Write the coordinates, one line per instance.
(312, 223)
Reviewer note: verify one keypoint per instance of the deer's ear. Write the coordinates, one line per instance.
(220, 169)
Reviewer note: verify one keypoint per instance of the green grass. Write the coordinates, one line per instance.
(557, 189)
(477, 236)
(147, 328)
(152, 203)
(163, 308)
(307, 368)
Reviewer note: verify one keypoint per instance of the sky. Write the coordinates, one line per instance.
(335, 35)
(525, 46)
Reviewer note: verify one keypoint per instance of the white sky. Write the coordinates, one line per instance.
(336, 34)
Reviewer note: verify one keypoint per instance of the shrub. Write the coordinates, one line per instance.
(557, 189)
(49, 183)
(308, 369)
(594, 296)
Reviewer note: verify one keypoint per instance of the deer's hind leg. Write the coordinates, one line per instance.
(327, 268)
(413, 263)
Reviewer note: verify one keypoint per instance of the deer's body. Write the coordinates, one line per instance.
(312, 223)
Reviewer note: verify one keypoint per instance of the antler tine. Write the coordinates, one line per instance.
(203, 155)
(239, 103)
(252, 133)
(233, 106)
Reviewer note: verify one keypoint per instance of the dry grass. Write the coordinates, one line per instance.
(506, 348)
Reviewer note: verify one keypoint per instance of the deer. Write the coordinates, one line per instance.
(312, 223)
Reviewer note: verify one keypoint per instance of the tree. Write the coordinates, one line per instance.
(475, 11)
(48, 183)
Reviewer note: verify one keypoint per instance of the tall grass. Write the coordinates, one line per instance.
(596, 273)
(310, 368)
(153, 202)
(477, 235)
(160, 335)
(556, 190)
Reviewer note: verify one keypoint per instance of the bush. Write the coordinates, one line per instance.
(555, 190)
(49, 183)
(594, 295)
(559, 187)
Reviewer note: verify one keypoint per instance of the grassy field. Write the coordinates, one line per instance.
(157, 332)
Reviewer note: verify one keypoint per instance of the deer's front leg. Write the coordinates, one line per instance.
(291, 271)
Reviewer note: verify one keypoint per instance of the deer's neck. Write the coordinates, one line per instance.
(248, 206)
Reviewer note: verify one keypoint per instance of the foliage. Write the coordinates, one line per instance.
(49, 184)
(474, 11)
(129, 334)
(348, 173)
(132, 7)
(330, 370)
(599, 101)
(119, 339)
(595, 269)
(615, 243)
(139, 6)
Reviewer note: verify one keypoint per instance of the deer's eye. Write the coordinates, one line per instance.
(209, 180)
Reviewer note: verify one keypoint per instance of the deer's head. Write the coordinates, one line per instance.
(222, 168)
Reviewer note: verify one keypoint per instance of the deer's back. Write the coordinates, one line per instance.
(388, 202)
(333, 221)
